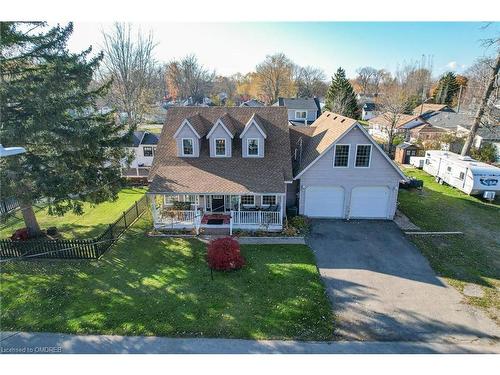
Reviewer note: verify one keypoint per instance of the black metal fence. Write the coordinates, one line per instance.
(8, 205)
(74, 249)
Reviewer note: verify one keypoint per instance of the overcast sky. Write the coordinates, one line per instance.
(229, 48)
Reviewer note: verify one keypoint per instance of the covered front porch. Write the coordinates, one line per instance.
(232, 211)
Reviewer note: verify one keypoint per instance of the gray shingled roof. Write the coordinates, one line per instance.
(449, 120)
(135, 139)
(252, 103)
(309, 104)
(236, 174)
(150, 139)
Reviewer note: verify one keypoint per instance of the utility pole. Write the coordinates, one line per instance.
(459, 98)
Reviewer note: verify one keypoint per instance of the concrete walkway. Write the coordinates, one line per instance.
(58, 343)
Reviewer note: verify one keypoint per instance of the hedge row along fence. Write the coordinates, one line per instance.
(92, 248)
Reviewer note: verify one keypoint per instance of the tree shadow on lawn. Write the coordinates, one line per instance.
(358, 319)
(151, 286)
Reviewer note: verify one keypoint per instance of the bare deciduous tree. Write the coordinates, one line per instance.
(311, 82)
(276, 77)
(394, 103)
(365, 77)
(129, 62)
(188, 79)
(483, 105)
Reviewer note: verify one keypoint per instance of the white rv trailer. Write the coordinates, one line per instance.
(417, 161)
(466, 174)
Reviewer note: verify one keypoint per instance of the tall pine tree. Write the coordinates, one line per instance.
(446, 89)
(48, 106)
(340, 97)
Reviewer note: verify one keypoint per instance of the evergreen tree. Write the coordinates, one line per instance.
(48, 106)
(340, 97)
(446, 89)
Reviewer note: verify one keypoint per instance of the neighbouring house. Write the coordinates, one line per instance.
(381, 124)
(341, 172)
(301, 111)
(231, 168)
(458, 124)
(404, 151)
(252, 103)
(425, 132)
(143, 147)
(368, 111)
(424, 108)
(484, 135)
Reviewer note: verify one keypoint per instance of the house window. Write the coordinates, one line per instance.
(248, 200)
(341, 156)
(220, 147)
(300, 115)
(253, 147)
(147, 151)
(448, 169)
(187, 146)
(363, 153)
(268, 200)
(461, 175)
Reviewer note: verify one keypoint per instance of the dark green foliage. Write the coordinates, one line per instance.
(301, 224)
(48, 106)
(486, 153)
(447, 89)
(340, 97)
(413, 102)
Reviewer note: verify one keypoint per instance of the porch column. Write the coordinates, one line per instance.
(282, 209)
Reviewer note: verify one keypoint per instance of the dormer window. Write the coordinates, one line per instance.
(253, 146)
(300, 115)
(187, 147)
(220, 147)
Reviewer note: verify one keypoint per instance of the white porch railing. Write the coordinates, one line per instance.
(177, 216)
(256, 217)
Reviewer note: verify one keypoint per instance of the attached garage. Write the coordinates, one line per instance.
(370, 202)
(324, 201)
(342, 173)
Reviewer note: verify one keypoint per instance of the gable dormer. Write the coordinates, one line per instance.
(220, 138)
(187, 138)
(253, 138)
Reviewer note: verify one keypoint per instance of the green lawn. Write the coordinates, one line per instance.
(162, 286)
(90, 224)
(471, 258)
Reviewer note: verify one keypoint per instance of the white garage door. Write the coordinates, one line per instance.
(324, 201)
(369, 202)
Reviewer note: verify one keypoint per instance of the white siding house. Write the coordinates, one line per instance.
(301, 111)
(142, 148)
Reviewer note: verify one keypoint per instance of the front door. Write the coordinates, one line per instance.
(217, 203)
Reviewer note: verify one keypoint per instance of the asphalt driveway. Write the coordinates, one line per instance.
(383, 289)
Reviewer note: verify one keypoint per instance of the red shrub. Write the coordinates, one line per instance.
(20, 234)
(224, 254)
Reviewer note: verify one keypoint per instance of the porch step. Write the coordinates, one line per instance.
(225, 218)
(216, 231)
